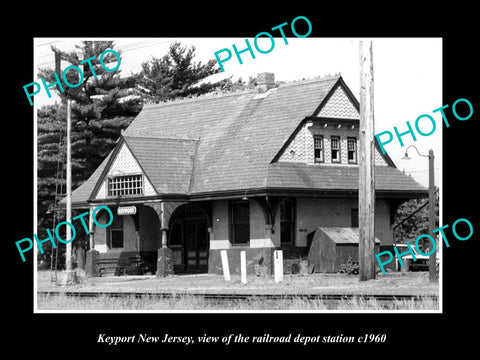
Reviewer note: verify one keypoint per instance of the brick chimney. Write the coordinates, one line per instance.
(265, 81)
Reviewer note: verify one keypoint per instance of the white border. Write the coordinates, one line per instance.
(35, 167)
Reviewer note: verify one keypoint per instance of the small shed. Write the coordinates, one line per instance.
(330, 247)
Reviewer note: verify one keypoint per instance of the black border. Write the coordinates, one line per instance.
(69, 333)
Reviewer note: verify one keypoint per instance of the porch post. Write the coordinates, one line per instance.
(164, 224)
(90, 229)
(91, 268)
(165, 255)
(164, 236)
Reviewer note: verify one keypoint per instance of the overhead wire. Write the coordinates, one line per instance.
(43, 62)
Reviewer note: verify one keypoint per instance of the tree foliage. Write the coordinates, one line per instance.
(415, 225)
(175, 75)
(101, 108)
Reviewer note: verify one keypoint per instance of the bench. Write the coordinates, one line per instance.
(119, 265)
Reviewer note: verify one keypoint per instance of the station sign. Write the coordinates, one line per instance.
(127, 210)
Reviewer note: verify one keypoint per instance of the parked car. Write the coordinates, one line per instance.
(421, 263)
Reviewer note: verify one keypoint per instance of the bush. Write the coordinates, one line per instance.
(43, 265)
(350, 267)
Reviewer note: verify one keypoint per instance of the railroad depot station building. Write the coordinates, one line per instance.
(255, 170)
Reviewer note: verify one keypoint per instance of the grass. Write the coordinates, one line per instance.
(395, 284)
(189, 303)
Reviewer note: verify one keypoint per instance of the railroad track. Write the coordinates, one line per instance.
(240, 297)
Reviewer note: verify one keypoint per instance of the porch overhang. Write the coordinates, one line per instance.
(118, 201)
(250, 193)
(323, 193)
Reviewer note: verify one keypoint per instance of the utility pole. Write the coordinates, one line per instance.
(366, 190)
(70, 275)
(432, 266)
(432, 262)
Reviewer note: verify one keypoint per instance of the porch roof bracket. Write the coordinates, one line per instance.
(268, 210)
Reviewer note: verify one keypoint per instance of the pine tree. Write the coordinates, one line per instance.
(101, 108)
(51, 128)
(175, 75)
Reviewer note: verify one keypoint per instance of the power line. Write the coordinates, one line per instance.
(48, 43)
(124, 48)
(418, 171)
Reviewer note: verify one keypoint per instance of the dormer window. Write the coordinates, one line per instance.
(352, 150)
(335, 148)
(318, 148)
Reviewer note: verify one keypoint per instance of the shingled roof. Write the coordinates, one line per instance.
(168, 163)
(220, 143)
(388, 180)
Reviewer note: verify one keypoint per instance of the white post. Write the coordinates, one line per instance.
(226, 269)
(278, 265)
(243, 266)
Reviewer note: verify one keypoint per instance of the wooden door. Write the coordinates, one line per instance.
(196, 246)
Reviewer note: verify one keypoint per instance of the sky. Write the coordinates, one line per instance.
(407, 77)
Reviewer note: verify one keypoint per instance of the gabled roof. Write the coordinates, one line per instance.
(226, 142)
(168, 163)
(83, 193)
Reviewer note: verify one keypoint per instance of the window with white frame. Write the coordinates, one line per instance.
(352, 150)
(318, 148)
(125, 185)
(335, 149)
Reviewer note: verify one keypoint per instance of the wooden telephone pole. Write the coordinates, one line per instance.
(366, 190)
(70, 274)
